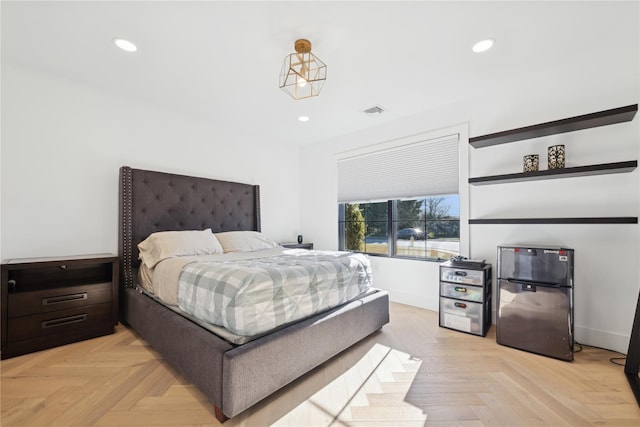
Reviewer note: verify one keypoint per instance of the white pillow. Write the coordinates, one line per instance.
(245, 241)
(168, 244)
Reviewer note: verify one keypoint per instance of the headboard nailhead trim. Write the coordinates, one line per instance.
(257, 203)
(127, 225)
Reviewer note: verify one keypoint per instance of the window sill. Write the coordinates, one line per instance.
(376, 255)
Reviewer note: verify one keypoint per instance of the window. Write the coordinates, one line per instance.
(420, 228)
(365, 227)
(411, 189)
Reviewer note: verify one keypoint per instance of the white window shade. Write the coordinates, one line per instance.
(421, 168)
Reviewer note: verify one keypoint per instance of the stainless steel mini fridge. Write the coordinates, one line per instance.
(535, 299)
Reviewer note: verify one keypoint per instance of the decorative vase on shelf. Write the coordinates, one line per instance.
(555, 155)
(530, 163)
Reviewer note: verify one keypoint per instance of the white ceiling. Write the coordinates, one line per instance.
(220, 61)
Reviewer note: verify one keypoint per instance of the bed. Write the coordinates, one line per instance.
(234, 376)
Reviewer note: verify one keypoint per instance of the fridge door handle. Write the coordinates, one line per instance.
(535, 284)
(526, 286)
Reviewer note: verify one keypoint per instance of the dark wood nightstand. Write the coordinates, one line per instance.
(308, 246)
(47, 302)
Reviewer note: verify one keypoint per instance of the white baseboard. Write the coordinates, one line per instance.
(420, 301)
(603, 339)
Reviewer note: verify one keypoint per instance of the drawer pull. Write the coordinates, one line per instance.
(64, 298)
(460, 289)
(460, 305)
(64, 321)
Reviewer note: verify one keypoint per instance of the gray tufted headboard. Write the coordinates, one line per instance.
(156, 201)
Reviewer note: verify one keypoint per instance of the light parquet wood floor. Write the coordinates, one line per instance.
(412, 373)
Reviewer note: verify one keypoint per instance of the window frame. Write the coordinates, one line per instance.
(392, 229)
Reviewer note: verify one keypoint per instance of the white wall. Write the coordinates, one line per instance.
(607, 274)
(62, 146)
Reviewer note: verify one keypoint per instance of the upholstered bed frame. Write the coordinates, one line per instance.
(232, 377)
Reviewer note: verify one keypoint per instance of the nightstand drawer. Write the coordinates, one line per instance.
(44, 301)
(67, 321)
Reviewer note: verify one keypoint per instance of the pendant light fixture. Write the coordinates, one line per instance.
(303, 74)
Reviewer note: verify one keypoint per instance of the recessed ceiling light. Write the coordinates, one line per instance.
(483, 45)
(125, 45)
(303, 118)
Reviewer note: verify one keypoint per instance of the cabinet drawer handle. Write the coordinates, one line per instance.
(64, 321)
(459, 289)
(64, 298)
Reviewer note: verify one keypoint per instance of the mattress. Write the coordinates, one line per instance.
(250, 294)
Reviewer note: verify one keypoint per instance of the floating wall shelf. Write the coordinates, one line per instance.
(600, 220)
(600, 169)
(601, 118)
(586, 121)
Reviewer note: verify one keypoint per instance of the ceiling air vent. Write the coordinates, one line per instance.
(376, 109)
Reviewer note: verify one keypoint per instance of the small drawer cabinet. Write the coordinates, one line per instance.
(465, 298)
(47, 302)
